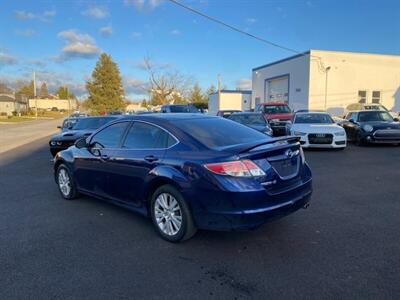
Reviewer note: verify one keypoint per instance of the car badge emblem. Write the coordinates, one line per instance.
(289, 153)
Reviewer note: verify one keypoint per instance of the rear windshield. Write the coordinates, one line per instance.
(248, 119)
(374, 116)
(277, 109)
(313, 119)
(219, 132)
(92, 123)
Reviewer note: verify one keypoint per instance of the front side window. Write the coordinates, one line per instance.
(146, 136)
(109, 137)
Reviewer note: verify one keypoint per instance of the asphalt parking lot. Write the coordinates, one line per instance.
(346, 245)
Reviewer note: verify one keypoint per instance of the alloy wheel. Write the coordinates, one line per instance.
(64, 182)
(168, 214)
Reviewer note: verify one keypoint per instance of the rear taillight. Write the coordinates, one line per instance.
(239, 168)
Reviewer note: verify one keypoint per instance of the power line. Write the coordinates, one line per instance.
(235, 28)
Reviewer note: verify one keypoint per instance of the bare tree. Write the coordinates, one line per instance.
(165, 85)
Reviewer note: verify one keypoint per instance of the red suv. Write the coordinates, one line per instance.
(278, 115)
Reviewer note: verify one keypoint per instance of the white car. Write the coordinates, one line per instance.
(318, 130)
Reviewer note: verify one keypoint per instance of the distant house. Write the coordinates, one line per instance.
(8, 105)
(133, 107)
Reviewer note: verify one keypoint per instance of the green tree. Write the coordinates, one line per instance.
(105, 87)
(210, 90)
(62, 92)
(144, 103)
(196, 95)
(44, 92)
(26, 91)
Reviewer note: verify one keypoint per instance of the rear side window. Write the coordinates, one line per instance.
(146, 136)
(109, 137)
(219, 132)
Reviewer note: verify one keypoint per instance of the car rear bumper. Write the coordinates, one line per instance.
(269, 207)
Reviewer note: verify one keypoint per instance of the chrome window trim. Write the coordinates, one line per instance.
(152, 124)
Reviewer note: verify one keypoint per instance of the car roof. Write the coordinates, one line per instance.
(167, 116)
(366, 110)
(311, 113)
(246, 113)
(274, 103)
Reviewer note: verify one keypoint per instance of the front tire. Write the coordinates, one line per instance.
(171, 215)
(65, 183)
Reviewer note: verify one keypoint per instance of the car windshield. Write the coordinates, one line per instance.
(69, 123)
(313, 119)
(91, 123)
(374, 116)
(219, 132)
(276, 109)
(248, 119)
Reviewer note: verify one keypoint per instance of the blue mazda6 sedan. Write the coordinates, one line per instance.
(188, 172)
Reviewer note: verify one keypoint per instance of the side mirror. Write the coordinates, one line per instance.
(396, 119)
(59, 127)
(351, 121)
(81, 143)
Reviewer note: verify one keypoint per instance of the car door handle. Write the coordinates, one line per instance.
(150, 158)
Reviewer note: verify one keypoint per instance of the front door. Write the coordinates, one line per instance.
(92, 166)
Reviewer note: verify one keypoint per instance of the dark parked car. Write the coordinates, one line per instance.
(253, 120)
(372, 126)
(185, 172)
(179, 108)
(227, 113)
(82, 127)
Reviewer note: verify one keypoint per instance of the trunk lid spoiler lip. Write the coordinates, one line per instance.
(242, 148)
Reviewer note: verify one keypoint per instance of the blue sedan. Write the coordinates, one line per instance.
(188, 172)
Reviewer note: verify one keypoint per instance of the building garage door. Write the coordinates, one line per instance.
(277, 89)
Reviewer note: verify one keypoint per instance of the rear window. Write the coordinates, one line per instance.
(219, 132)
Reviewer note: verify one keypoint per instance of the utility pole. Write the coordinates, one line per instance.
(326, 86)
(34, 94)
(219, 86)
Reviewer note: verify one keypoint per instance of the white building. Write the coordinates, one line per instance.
(229, 100)
(48, 104)
(329, 80)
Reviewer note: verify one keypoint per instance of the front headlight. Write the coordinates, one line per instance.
(53, 143)
(368, 128)
(59, 143)
(299, 133)
(340, 133)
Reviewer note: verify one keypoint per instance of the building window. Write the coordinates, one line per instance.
(376, 96)
(362, 96)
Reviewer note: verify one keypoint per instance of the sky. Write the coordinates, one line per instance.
(61, 39)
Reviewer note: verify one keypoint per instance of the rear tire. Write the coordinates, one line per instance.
(171, 215)
(65, 182)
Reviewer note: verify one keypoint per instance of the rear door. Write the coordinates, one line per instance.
(142, 150)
